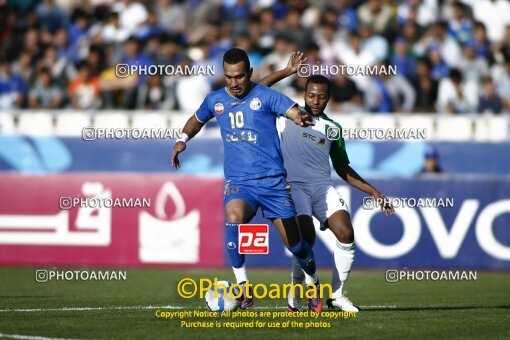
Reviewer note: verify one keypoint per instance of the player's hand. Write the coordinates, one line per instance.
(296, 58)
(386, 204)
(304, 119)
(174, 159)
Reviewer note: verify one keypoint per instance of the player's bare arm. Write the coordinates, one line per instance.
(295, 59)
(296, 114)
(349, 175)
(190, 129)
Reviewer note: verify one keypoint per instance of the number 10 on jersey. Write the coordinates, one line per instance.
(236, 120)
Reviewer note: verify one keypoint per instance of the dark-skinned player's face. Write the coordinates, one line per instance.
(238, 78)
(316, 98)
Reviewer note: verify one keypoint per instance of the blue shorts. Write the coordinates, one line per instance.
(271, 194)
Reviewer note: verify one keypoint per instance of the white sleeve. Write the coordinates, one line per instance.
(280, 126)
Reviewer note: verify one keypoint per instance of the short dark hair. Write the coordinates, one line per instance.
(425, 61)
(318, 79)
(236, 55)
(455, 74)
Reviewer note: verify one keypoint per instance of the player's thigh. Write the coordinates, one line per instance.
(240, 203)
(277, 205)
(303, 203)
(288, 229)
(274, 198)
(301, 196)
(325, 202)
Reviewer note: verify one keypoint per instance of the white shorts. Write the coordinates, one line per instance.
(317, 200)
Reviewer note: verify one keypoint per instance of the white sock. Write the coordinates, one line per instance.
(240, 274)
(310, 280)
(297, 274)
(343, 256)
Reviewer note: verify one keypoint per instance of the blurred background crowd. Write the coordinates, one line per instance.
(451, 56)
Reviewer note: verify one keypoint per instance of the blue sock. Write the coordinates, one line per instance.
(304, 255)
(231, 240)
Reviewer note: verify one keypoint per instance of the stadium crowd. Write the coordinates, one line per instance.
(451, 56)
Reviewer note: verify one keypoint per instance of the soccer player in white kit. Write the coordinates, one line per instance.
(306, 153)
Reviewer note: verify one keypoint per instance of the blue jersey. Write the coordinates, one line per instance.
(248, 130)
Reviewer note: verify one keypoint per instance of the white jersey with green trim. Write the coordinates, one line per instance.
(306, 150)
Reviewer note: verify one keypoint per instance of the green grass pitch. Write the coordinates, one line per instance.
(126, 309)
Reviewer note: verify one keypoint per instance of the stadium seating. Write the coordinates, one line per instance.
(111, 119)
(454, 128)
(417, 122)
(7, 126)
(72, 123)
(35, 124)
(149, 120)
(177, 120)
(489, 128)
(380, 122)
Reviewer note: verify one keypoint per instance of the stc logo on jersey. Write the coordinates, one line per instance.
(317, 140)
(253, 239)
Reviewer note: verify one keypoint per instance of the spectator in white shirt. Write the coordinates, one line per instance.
(376, 13)
(473, 68)
(373, 43)
(501, 77)
(426, 11)
(354, 54)
(131, 14)
(113, 32)
(456, 96)
(199, 86)
(437, 36)
(495, 14)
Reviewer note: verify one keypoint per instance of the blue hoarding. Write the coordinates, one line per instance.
(204, 156)
(473, 233)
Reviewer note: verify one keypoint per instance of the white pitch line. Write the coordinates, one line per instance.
(79, 309)
(85, 309)
(28, 337)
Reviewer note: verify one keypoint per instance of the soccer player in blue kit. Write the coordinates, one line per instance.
(255, 176)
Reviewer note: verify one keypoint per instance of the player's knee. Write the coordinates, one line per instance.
(235, 216)
(343, 231)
